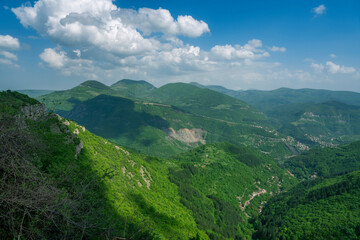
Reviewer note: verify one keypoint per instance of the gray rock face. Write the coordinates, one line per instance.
(34, 112)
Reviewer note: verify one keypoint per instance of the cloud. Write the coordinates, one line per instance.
(160, 20)
(101, 24)
(317, 67)
(251, 50)
(332, 55)
(9, 42)
(319, 10)
(9, 55)
(68, 66)
(334, 68)
(277, 49)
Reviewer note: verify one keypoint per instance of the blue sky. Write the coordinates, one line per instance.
(238, 44)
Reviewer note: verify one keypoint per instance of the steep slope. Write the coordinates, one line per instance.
(133, 88)
(224, 185)
(326, 162)
(58, 179)
(321, 209)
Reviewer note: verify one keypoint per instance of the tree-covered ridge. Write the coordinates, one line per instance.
(132, 88)
(320, 209)
(224, 185)
(326, 162)
(206, 102)
(312, 116)
(161, 128)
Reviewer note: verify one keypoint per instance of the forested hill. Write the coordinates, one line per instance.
(168, 120)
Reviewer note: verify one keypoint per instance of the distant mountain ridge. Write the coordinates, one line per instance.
(190, 116)
(313, 117)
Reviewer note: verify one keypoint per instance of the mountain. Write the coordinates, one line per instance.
(171, 119)
(59, 178)
(132, 88)
(268, 100)
(65, 100)
(313, 117)
(206, 102)
(326, 162)
(324, 124)
(320, 209)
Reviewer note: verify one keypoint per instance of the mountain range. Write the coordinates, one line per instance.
(133, 161)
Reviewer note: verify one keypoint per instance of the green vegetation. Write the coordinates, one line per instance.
(320, 209)
(134, 89)
(59, 179)
(51, 188)
(168, 120)
(326, 162)
(313, 117)
(224, 185)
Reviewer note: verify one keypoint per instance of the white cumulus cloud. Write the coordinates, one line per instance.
(334, 68)
(101, 24)
(251, 50)
(160, 20)
(9, 42)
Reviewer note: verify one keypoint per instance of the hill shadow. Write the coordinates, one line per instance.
(112, 117)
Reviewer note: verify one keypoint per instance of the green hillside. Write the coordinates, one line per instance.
(324, 124)
(313, 117)
(206, 102)
(224, 185)
(132, 88)
(269, 100)
(74, 184)
(160, 128)
(326, 162)
(321, 209)
(59, 179)
(65, 100)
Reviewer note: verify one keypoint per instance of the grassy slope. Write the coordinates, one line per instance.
(322, 209)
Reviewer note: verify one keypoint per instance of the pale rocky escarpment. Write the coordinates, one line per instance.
(188, 135)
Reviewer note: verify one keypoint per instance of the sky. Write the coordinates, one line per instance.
(260, 44)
